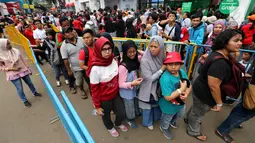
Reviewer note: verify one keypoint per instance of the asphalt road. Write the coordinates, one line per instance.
(32, 125)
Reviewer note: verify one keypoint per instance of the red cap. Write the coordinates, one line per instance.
(173, 57)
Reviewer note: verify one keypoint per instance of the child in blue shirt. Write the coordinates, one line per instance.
(174, 91)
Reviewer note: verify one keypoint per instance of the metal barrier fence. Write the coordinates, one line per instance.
(192, 50)
(69, 117)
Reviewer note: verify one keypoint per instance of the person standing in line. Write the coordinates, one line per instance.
(70, 49)
(55, 57)
(151, 69)
(104, 85)
(174, 86)
(15, 68)
(129, 80)
(85, 59)
(208, 93)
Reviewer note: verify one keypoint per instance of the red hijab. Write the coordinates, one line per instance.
(98, 59)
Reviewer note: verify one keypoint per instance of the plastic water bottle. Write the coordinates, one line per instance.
(94, 112)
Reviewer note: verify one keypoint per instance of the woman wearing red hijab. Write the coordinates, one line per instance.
(104, 86)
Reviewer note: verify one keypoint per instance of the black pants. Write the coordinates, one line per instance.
(117, 106)
(42, 55)
(71, 80)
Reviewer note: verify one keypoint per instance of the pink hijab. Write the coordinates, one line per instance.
(214, 35)
(11, 55)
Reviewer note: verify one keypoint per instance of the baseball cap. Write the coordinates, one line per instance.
(173, 57)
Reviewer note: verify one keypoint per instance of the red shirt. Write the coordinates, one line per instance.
(184, 34)
(82, 55)
(77, 24)
(248, 34)
(29, 34)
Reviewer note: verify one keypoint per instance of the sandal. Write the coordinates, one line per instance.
(226, 138)
(198, 137)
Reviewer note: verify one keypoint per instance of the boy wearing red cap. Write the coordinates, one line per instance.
(175, 89)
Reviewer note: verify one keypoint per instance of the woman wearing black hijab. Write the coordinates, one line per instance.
(128, 79)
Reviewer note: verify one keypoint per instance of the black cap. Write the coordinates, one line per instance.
(64, 30)
(62, 19)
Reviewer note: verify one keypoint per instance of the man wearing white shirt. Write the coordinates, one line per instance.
(39, 36)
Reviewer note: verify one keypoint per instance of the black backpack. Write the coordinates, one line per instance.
(86, 52)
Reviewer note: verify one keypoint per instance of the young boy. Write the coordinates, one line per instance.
(173, 87)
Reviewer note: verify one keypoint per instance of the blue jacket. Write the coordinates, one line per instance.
(197, 34)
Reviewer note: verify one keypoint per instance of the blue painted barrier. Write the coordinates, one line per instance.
(76, 119)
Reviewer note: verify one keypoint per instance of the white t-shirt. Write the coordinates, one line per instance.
(169, 47)
(39, 34)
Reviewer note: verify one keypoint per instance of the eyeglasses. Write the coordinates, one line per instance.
(106, 49)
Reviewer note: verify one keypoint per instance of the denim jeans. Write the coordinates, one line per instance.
(57, 69)
(19, 86)
(150, 115)
(167, 119)
(237, 116)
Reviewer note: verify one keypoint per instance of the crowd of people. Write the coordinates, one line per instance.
(131, 82)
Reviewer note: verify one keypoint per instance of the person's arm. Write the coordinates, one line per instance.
(147, 73)
(168, 90)
(214, 85)
(163, 23)
(3, 68)
(123, 72)
(82, 60)
(95, 88)
(64, 55)
(154, 31)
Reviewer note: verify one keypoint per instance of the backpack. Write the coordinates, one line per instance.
(93, 27)
(86, 52)
(55, 58)
(233, 87)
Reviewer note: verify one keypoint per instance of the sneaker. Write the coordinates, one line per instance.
(174, 125)
(37, 94)
(67, 82)
(58, 83)
(123, 128)
(27, 104)
(132, 124)
(114, 132)
(73, 90)
(166, 133)
(150, 127)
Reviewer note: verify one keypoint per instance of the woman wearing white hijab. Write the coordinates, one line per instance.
(151, 69)
(15, 68)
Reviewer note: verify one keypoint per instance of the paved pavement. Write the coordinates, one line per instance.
(32, 125)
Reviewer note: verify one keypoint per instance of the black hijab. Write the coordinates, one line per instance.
(130, 64)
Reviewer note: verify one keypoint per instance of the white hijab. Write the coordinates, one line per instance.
(12, 55)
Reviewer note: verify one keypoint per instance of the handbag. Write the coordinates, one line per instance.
(249, 98)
